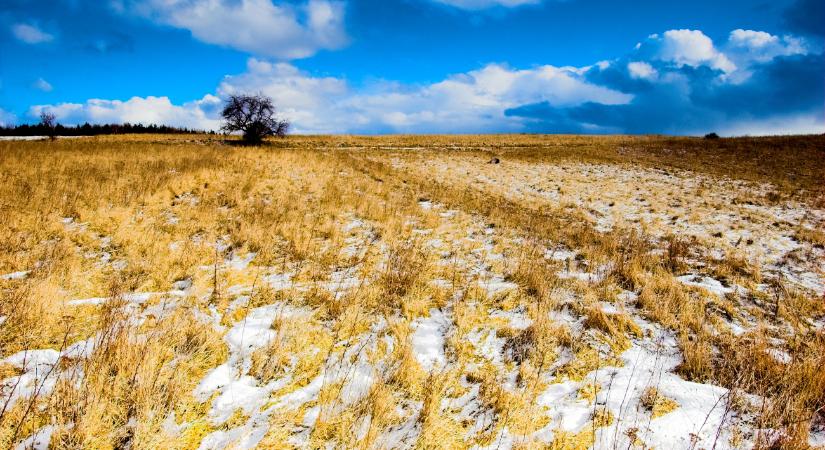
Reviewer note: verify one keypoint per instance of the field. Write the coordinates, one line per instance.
(412, 292)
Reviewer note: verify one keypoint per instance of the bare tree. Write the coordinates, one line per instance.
(254, 116)
(49, 123)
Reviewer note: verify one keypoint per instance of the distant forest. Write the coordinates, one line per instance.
(93, 130)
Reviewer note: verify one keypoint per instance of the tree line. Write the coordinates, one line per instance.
(87, 129)
(254, 116)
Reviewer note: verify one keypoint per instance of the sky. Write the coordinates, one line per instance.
(422, 66)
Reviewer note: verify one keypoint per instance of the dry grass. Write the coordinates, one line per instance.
(368, 303)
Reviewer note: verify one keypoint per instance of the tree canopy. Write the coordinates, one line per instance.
(254, 116)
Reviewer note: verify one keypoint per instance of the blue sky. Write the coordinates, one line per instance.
(423, 66)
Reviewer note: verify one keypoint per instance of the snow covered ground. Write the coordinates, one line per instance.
(727, 217)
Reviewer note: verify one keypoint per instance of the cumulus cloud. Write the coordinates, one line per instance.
(149, 110)
(641, 69)
(776, 87)
(42, 85)
(472, 101)
(476, 101)
(754, 83)
(748, 46)
(30, 34)
(483, 4)
(283, 30)
(309, 102)
(686, 48)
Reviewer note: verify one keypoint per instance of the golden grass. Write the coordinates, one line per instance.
(337, 222)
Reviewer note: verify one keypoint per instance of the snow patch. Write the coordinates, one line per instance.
(20, 275)
(428, 340)
(711, 285)
(39, 440)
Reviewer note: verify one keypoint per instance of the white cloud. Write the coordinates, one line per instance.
(42, 85)
(470, 102)
(735, 57)
(284, 30)
(689, 48)
(482, 4)
(30, 34)
(641, 70)
(747, 46)
(474, 101)
(752, 39)
(148, 110)
(307, 101)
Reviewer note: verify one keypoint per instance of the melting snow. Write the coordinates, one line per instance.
(39, 370)
(517, 318)
(807, 280)
(15, 275)
(236, 389)
(255, 331)
(132, 297)
(710, 284)
(241, 263)
(487, 344)
(496, 285)
(560, 254)
(581, 276)
(428, 340)
(39, 440)
(701, 410)
(342, 281)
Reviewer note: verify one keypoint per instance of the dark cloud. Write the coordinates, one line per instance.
(689, 100)
(616, 76)
(786, 84)
(806, 17)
